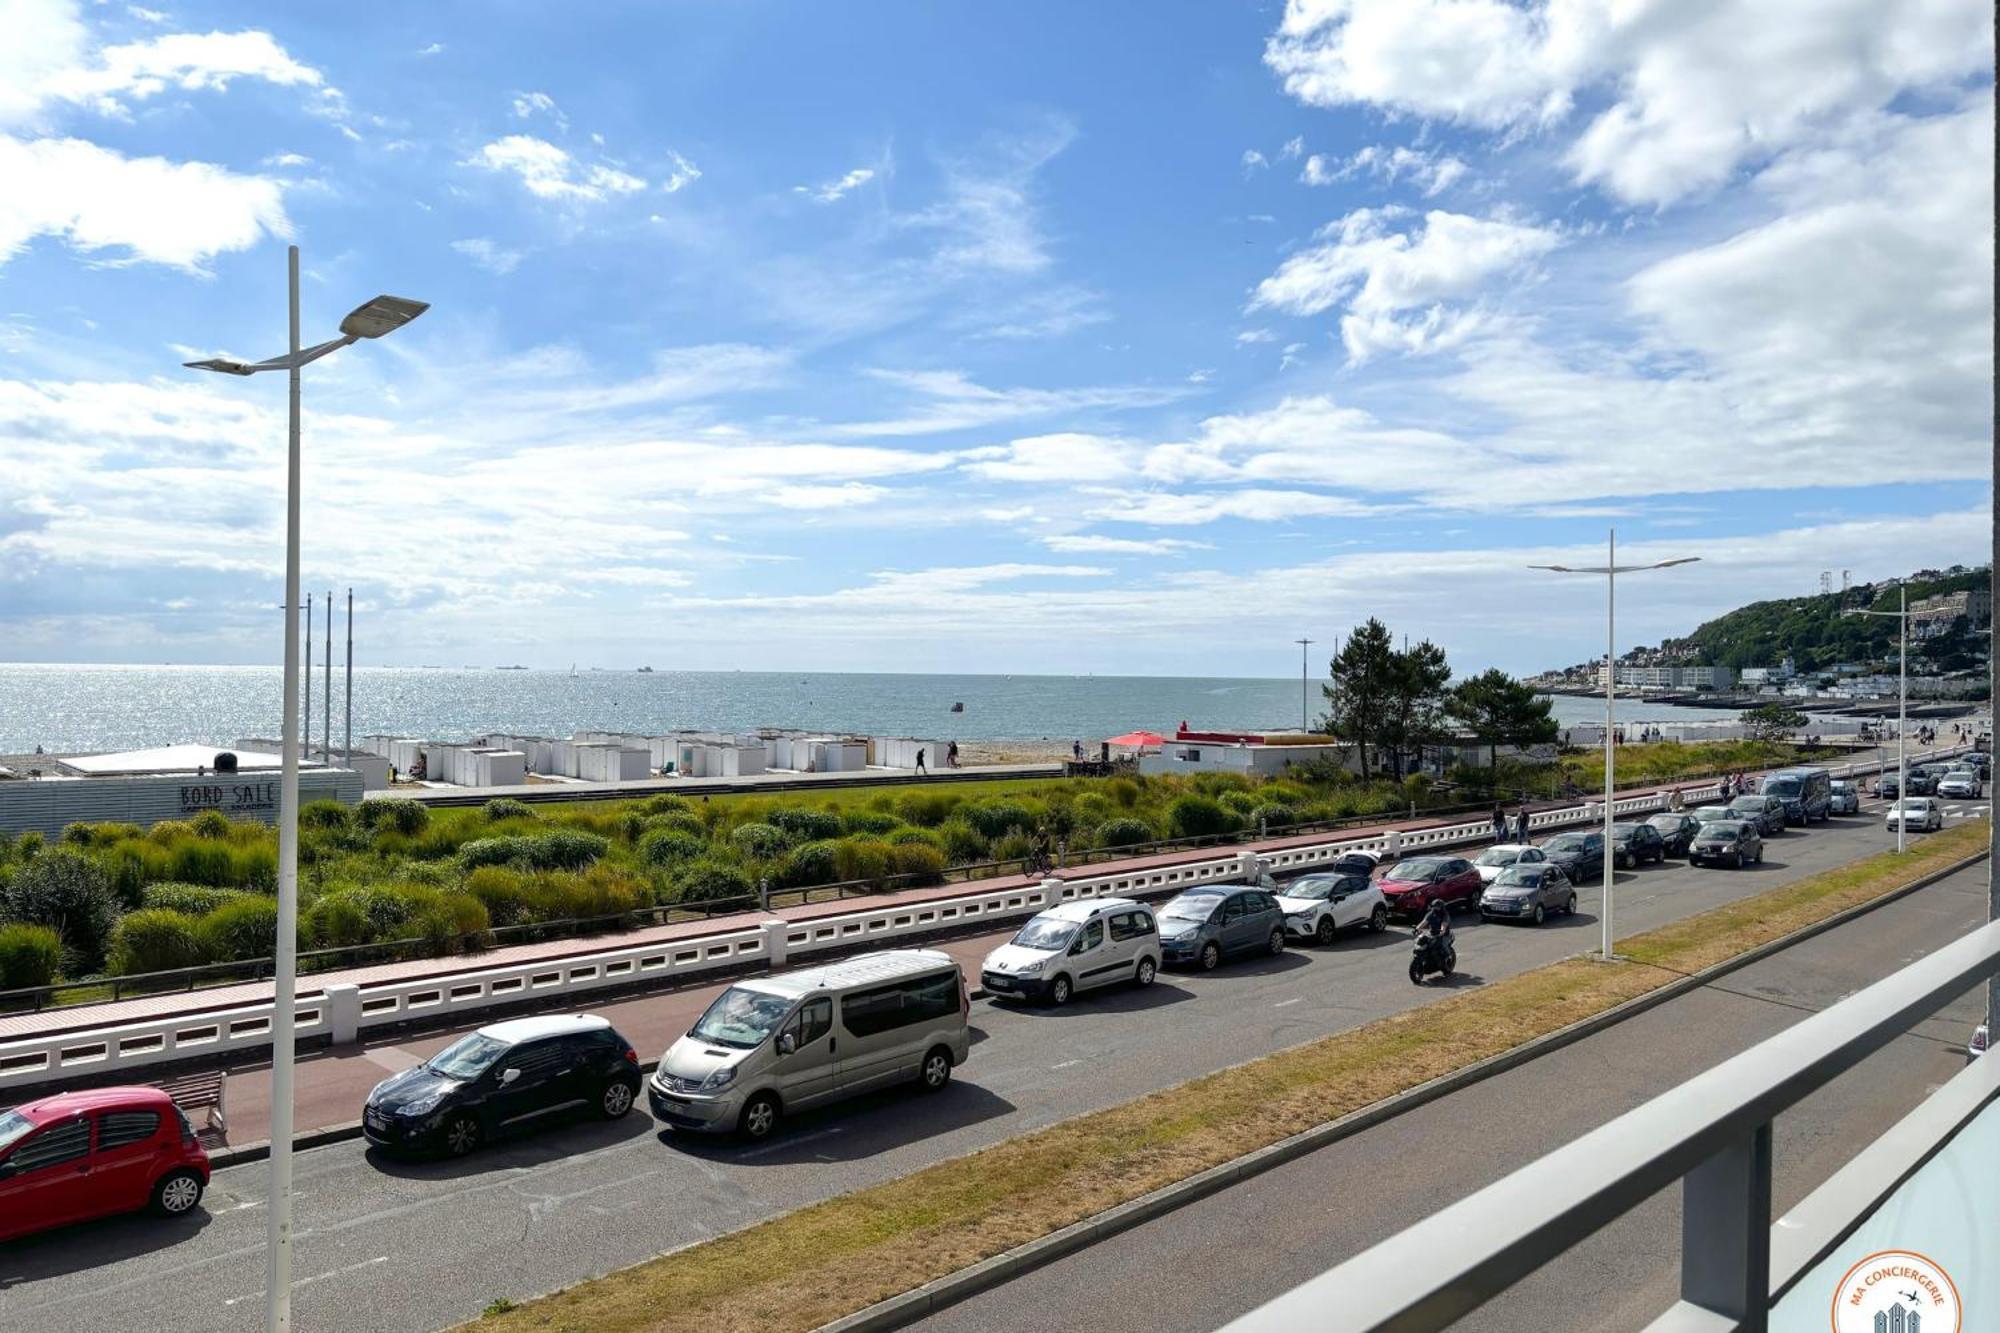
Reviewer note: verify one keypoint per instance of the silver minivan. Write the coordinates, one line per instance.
(1075, 946)
(772, 1045)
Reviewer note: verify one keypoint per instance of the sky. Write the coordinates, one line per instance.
(1117, 337)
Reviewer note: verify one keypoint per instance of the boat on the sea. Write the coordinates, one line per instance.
(958, 708)
(645, 671)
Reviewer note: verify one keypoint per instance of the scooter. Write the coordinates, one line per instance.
(1430, 955)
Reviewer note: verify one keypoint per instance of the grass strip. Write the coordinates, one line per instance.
(802, 1269)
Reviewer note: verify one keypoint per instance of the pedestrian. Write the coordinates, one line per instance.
(1521, 827)
(1499, 824)
(920, 760)
(951, 755)
(1076, 750)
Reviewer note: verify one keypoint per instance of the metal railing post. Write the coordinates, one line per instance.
(1726, 1231)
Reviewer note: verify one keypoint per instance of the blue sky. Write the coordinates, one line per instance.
(1036, 337)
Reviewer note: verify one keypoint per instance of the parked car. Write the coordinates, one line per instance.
(1886, 786)
(1528, 891)
(1075, 946)
(1355, 863)
(1923, 780)
(772, 1045)
(1734, 842)
(1632, 845)
(503, 1079)
(80, 1155)
(1708, 814)
(1412, 885)
(1805, 792)
(1922, 813)
(1768, 812)
(1319, 907)
(1961, 784)
(1581, 855)
(1676, 829)
(1500, 855)
(1843, 798)
(1982, 763)
(1202, 926)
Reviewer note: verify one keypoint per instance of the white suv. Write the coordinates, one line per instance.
(1073, 947)
(1961, 784)
(1319, 907)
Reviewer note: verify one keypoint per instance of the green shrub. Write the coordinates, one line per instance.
(856, 859)
(128, 867)
(506, 807)
(212, 824)
(337, 921)
(926, 809)
(1199, 817)
(504, 891)
(1124, 791)
(921, 864)
(329, 815)
(677, 821)
(1217, 784)
(666, 805)
(761, 842)
(921, 837)
(566, 849)
(156, 939)
(1124, 833)
(963, 844)
(169, 831)
(995, 819)
(29, 956)
(509, 849)
(450, 921)
(83, 834)
(806, 866)
(193, 899)
(71, 895)
(806, 825)
(666, 848)
(406, 817)
(245, 928)
(255, 867)
(29, 845)
(1274, 816)
(874, 822)
(707, 880)
(202, 861)
(1015, 846)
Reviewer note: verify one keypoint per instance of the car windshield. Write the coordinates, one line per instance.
(1314, 887)
(1566, 842)
(1046, 932)
(1422, 867)
(468, 1057)
(1723, 828)
(1526, 877)
(1916, 803)
(1708, 814)
(1624, 832)
(13, 1128)
(1842, 786)
(1191, 907)
(1786, 787)
(741, 1018)
(1499, 856)
(1747, 803)
(1665, 823)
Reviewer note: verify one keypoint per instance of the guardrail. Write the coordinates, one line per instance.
(1712, 1134)
(340, 1013)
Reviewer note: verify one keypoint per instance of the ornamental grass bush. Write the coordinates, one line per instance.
(70, 894)
(156, 939)
(193, 899)
(709, 879)
(806, 825)
(29, 956)
(1125, 833)
(243, 929)
(760, 842)
(1199, 817)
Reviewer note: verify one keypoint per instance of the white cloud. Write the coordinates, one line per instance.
(189, 62)
(434, 49)
(1293, 147)
(1051, 458)
(288, 160)
(988, 219)
(1178, 509)
(1290, 356)
(1090, 544)
(1248, 336)
(529, 105)
(146, 15)
(1432, 173)
(177, 213)
(833, 192)
(549, 172)
(1008, 515)
(1379, 274)
(954, 402)
(488, 255)
(1696, 90)
(680, 173)
(1254, 161)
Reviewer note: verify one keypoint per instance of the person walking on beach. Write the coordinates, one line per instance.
(951, 755)
(920, 762)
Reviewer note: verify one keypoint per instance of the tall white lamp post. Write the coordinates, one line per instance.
(1305, 708)
(384, 314)
(1901, 615)
(1611, 569)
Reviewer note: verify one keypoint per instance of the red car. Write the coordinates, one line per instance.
(1412, 886)
(80, 1155)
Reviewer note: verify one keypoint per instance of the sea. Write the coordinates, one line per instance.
(76, 709)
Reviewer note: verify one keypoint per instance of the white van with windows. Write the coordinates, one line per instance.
(1075, 946)
(773, 1045)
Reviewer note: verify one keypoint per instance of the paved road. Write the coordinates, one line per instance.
(397, 1246)
(1302, 1219)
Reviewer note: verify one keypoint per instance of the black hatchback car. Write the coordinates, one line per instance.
(1581, 855)
(502, 1079)
(1731, 842)
(1635, 844)
(1676, 829)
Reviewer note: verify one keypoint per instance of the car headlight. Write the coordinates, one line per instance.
(1029, 969)
(720, 1079)
(424, 1106)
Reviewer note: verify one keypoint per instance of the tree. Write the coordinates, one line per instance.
(1501, 711)
(1416, 714)
(1772, 722)
(1383, 697)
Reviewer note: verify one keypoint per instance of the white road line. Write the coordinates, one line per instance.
(317, 1277)
(1067, 1064)
(1282, 1003)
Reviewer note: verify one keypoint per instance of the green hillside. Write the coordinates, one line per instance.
(1815, 632)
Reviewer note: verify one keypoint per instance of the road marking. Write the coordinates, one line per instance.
(1282, 1003)
(791, 1142)
(317, 1277)
(1067, 1064)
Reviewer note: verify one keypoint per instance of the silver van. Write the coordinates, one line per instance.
(1074, 946)
(782, 1043)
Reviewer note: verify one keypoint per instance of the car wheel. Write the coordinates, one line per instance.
(1211, 954)
(1378, 920)
(1145, 973)
(1759, 858)
(1059, 991)
(615, 1100)
(1278, 940)
(1569, 906)
(759, 1117)
(461, 1134)
(1540, 915)
(177, 1193)
(937, 1069)
(1325, 932)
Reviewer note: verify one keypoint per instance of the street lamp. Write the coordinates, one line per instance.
(1611, 569)
(1901, 615)
(1305, 709)
(384, 314)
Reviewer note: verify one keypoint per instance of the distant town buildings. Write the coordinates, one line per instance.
(1932, 616)
(1673, 677)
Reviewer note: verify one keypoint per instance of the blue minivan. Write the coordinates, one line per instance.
(1806, 792)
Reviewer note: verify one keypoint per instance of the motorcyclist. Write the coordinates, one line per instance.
(1436, 924)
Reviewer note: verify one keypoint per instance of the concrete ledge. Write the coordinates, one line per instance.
(908, 1307)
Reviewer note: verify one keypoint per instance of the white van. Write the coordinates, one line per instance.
(783, 1043)
(1074, 946)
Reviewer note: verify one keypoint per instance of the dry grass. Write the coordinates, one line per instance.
(800, 1270)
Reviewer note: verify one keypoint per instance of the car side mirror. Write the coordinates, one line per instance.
(788, 1043)
(508, 1076)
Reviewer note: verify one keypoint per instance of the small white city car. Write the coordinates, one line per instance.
(1500, 855)
(1318, 907)
(1916, 812)
(1073, 947)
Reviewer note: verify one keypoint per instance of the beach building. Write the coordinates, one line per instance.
(1249, 754)
(144, 787)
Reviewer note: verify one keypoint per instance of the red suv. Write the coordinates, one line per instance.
(1409, 887)
(80, 1155)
